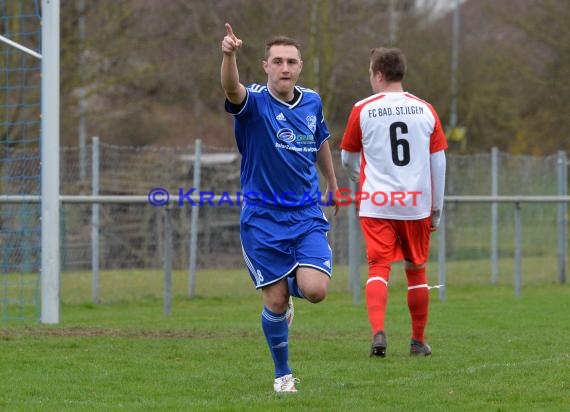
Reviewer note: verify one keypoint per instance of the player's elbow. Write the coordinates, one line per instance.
(234, 96)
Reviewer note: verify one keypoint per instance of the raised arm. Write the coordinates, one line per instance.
(229, 75)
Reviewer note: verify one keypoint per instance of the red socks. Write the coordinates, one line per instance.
(376, 297)
(418, 301)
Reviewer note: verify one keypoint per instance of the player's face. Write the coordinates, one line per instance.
(283, 67)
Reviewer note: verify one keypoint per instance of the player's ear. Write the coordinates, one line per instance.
(300, 65)
(264, 64)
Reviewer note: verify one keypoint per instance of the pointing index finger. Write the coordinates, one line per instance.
(230, 31)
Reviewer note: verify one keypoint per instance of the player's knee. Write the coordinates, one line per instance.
(276, 306)
(412, 266)
(316, 294)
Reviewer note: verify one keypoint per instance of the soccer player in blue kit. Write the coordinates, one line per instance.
(281, 134)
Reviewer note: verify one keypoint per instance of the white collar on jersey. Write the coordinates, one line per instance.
(298, 95)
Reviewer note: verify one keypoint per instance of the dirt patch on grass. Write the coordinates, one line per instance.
(13, 333)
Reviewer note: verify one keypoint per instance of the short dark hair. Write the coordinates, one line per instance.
(281, 41)
(390, 62)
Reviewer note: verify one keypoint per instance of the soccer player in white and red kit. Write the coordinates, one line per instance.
(394, 146)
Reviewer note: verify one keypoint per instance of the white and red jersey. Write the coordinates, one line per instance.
(396, 134)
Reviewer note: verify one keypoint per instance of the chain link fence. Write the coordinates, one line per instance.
(131, 236)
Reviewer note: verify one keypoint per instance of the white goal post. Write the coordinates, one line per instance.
(50, 202)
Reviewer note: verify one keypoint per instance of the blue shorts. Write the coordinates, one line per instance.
(277, 241)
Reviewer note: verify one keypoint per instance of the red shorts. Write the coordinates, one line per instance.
(389, 240)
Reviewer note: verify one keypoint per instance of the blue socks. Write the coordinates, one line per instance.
(277, 334)
(294, 288)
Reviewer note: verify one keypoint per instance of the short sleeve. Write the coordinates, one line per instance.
(437, 139)
(352, 138)
(239, 109)
(322, 131)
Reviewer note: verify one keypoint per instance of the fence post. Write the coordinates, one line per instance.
(562, 215)
(494, 216)
(62, 237)
(194, 225)
(518, 251)
(441, 252)
(167, 259)
(354, 249)
(95, 221)
(82, 127)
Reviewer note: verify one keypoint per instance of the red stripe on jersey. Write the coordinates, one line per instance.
(352, 139)
(362, 174)
(437, 139)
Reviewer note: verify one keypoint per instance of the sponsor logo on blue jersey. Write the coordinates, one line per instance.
(289, 136)
(306, 139)
(286, 135)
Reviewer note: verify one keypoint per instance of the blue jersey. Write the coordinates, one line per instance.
(279, 144)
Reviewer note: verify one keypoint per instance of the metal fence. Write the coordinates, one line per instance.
(121, 230)
(479, 231)
(130, 234)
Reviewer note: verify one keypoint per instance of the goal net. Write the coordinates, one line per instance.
(20, 228)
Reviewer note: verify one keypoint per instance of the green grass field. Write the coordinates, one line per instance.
(492, 351)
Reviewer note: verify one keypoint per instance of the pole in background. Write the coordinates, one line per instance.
(50, 204)
(194, 225)
(392, 22)
(167, 298)
(95, 221)
(562, 216)
(441, 252)
(518, 250)
(446, 226)
(454, 64)
(80, 5)
(354, 248)
(494, 216)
